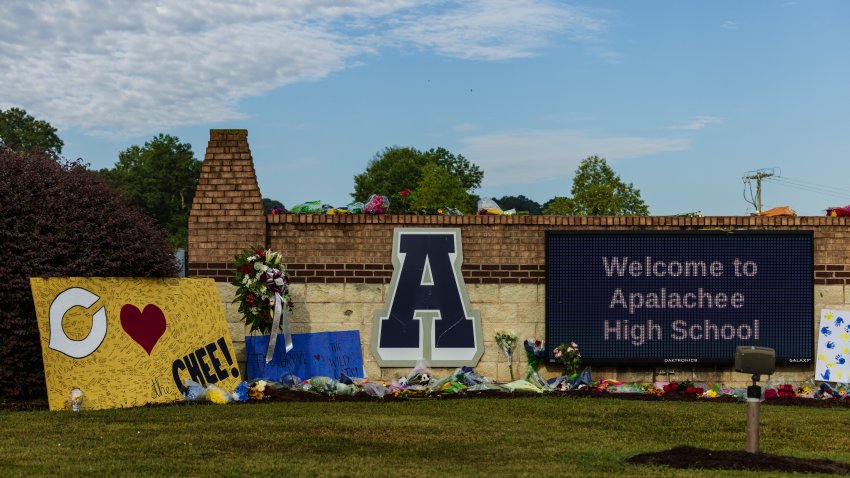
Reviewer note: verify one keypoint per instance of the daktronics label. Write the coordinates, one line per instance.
(679, 297)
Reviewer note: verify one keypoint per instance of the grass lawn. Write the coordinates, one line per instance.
(536, 436)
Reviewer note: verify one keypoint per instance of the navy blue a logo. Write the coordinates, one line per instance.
(427, 313)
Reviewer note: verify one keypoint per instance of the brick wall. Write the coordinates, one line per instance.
(340, 266)
(505, 249)
(227, 213)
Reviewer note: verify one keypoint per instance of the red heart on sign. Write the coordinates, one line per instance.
(145, 327)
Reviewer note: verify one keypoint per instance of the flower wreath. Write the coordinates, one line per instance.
(259, 275)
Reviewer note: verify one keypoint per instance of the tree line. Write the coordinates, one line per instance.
(160, 177)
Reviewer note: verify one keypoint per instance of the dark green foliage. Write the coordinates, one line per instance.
(598, 191)
(268, 204)
(58, 219)
(23, 133)
(520, 203)
(395, 169)
(161, 178)
(559, 206)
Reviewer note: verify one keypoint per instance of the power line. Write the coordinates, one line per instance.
(810, 187)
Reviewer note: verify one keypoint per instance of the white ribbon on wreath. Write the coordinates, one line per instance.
(280, 319)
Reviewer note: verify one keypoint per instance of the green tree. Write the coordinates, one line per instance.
(469, 174)
(520, 203)
(598, 191)
(160, 177)
(559, 206)
(22, 133)
(395, 169)
(439, 189)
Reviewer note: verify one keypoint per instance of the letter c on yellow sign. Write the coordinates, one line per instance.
(59, 340)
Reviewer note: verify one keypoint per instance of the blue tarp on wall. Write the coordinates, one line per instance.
(317, 354)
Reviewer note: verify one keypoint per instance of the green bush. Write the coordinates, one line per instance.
(58, 219)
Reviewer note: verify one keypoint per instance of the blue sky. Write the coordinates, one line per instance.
(682, 97)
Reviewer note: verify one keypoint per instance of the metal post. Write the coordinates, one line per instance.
(753, 415)
(753, 412)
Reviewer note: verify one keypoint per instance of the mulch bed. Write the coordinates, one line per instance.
(699, 458)
(291, 396)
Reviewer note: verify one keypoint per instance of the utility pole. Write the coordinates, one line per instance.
(758, 176)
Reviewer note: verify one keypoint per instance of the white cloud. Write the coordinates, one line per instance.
(495, 29)
(126, 67)
(699, 122)
(730, 25)
(532, 156)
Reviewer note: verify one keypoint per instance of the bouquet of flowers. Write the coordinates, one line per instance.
(570, 357)
(507, 342)
(260, 276)
(535, 353)
(401, 202)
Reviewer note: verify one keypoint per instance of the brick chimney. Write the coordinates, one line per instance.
(227, 214)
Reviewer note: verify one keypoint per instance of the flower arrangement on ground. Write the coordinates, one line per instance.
(570, 357)
(507, 342)
(261, 283)
(535, 352)
(785, 390)
(259, 390)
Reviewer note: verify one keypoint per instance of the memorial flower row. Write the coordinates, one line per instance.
(465, 381)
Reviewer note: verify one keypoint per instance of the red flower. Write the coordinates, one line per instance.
(246, 268)
(670, 387)
(770, 393)
(406, 192)
(694, 391)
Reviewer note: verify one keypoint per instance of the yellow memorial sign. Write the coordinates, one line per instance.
(124, 342)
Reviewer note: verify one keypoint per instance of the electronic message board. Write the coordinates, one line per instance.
(641, 297)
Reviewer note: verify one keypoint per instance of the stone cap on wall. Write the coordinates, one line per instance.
(653, 221)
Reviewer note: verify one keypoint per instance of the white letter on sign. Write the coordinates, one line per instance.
(60, 341)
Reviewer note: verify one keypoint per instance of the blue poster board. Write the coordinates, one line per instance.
(326, 354)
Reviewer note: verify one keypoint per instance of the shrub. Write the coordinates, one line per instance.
(61, 220)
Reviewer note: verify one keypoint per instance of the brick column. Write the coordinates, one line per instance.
(227, 214)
